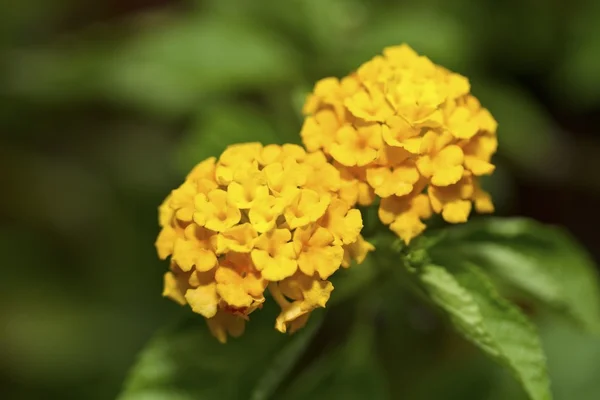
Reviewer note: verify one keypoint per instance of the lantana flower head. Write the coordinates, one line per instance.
(259, 217)
(407, 131)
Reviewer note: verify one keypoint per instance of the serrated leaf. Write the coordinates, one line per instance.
(482, 316)
(542, 261)
(186, 362)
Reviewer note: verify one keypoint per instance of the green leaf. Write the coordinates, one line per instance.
(166, 69)
(543, 261)
(188, 363)
(435, 34)
(348, 282)
(350, 372)
(573, 363)
(493, 324)
(573, 360)
(192, 58)
(284, 361)
(576, 81)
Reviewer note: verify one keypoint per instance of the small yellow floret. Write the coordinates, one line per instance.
(259, 216)
(405, 129)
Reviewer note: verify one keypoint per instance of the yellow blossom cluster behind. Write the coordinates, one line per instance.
(408, 131)
(259, 216)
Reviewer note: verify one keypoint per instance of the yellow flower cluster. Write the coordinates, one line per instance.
(408, 131)
(259, 216)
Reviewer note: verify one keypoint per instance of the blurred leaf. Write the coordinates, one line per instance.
(573, 361)
(188, 363)
(540, 260)
(315, 26)
(174, 66)
(351, 281)
(350, 372)
(166, 69)
(219, 126)
(573, 364)
(298, 98)
(69, 73)
(29, 20)
(576, 79)
(519, 35)
(284, 361)
(437, 35)
(492, 323)
(465, 376)
(526, 134)
(329, 23)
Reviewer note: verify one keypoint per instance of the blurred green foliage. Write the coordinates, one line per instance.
(104, 106)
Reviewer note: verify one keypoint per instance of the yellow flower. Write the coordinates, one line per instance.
(323, 177)
(259, 216)
(274, 255)
(357, 146)
(482, 200)
(215, 212)
(356, 251)
(175, 287)
(398, 181)
(182, 198)
(405, 215)
(263, 215)
(239, 283)
(307, 293)
(329, 93)
(443, 168)
(239, 238)
(202, 295)
(405, 129)
(454, 201)
(343, 222)
(369, 105)
(195, 249)
(354, 187)
(236, 158)
(283, 180)
(462, 123)
(165, 242)
(224, 323)
(243, 196)
(308, 206)
(204, 170)
(478, 153)
(165, 213)
(398, 132)
(319, 130)
(317, 251)
(182, 201)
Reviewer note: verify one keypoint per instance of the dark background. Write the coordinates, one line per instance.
(104, 106)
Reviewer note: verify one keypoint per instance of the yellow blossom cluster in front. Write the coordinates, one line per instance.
(259, 216)
(409, 132)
